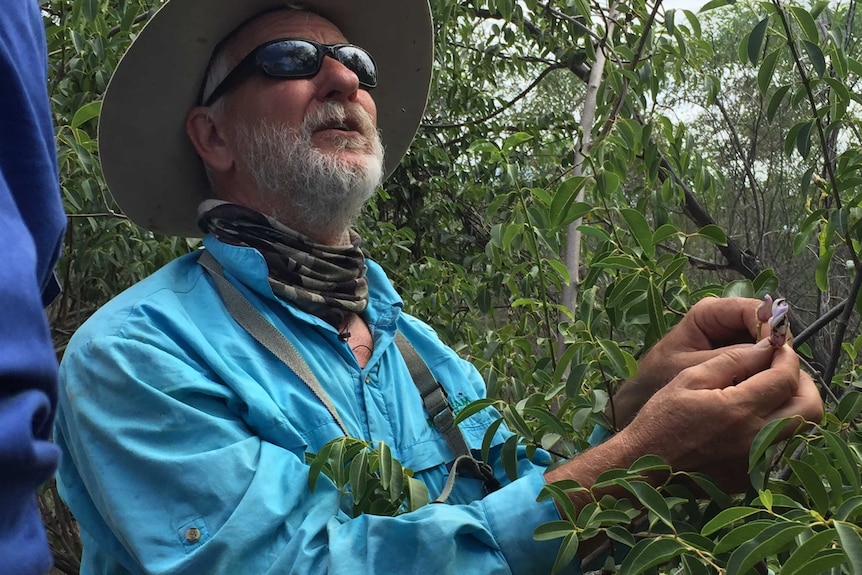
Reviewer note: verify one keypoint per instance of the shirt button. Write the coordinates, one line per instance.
(368, 378)
(193, 535)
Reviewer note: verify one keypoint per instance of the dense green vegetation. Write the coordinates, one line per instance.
(552, 225)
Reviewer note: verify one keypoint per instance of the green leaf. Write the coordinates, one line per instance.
(803, 139)
(396, 482)
(650, 552)
(319, 460)
(664, 232)
(821, 273)
(640, 229)
(607, 183)
(755, 40)
(726, 517)
(850, 509)
(766, 282)
(838, 57)
(385, 455)
(807, 551)
(516, 139)
(655, 306)
(810, 480)
(775, 101)
(621, 289)
(417, 494)
(566, 553)
(739, 288)
(824, 562)
(651, 499)
(359, 474)
(764, 438)
(488, 438)
(766, 543)
(553, 530)
(849, 407)
(741, 534)
(564, 199)
(843, 458)
(509, 457)
(558, 491)
(511, 231)
(851, 543)
(622, 362)
(473, 408)
(767, 70)
(648, 463)
(815, 55)
(673, 269)
(86, 113)
(714, 234)
(713, 4)
(806, 22)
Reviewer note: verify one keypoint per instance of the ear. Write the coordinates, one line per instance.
(205, 132)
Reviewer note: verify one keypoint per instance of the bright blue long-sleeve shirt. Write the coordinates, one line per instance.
(172, 418)
(31, 230)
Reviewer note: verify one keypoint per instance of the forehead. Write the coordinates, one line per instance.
(282, 24)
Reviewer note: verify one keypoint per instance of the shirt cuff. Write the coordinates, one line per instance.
(513, 514)
(599, 435)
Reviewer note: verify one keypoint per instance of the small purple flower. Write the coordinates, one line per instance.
(779, 323)
(764, 311)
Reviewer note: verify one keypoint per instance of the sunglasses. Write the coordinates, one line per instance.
(292, 59)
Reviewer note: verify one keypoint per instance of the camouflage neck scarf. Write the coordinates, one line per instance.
(325, 281)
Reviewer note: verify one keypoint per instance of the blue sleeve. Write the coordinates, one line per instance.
(31, 228)
(169, 476)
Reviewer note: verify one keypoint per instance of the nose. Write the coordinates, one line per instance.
(336, 81)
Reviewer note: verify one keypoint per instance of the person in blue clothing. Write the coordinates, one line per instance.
(31, 231)
(184, 430)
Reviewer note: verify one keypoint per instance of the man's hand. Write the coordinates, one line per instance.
(706, 418)
(712, 327)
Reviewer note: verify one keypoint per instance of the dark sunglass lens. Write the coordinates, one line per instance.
(360, 63)
(289, 59)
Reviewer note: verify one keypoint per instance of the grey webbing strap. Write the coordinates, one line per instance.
(265, 333)
(441, 413)
(432, 393)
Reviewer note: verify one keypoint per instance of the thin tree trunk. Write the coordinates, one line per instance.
(572, 255)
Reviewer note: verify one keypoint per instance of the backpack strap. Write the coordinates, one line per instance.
(432, 393)
(437, 405)
(266, 334)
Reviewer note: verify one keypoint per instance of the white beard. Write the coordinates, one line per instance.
(312, 190)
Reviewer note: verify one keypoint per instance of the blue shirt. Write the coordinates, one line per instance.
(173, 418)
(31, 231)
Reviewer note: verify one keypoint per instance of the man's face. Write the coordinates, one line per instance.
(289, 102)
(308, 147)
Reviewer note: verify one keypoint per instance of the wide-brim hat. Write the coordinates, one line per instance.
(149, 164)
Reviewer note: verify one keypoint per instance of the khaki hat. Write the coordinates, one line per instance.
(149, 163)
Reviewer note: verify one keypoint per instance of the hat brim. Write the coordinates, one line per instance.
(149, 164)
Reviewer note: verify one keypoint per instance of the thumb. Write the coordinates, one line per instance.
(729, 368)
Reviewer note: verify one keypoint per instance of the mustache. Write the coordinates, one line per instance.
(332, 114)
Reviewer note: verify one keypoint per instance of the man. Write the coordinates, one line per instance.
(184, 435)
(31, 232)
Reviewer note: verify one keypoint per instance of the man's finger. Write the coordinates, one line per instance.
(726, 320)
(730, 367)
(766, 392)
(806, 405)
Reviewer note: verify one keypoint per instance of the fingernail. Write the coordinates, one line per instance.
(762, 344)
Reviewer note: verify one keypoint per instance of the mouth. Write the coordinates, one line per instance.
(346, 125)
